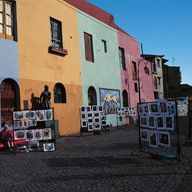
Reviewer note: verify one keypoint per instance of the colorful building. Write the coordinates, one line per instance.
(77, 50)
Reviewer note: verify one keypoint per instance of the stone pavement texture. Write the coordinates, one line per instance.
(109, 162)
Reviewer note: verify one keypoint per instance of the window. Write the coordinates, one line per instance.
(125, 98)
(158, 62)
(136, 87)
(89, 56)
(159, 80)
(122, 58)
(104, 45)
(155, 83)
(59, 93)
(56, 38)
(134, 70)
(7, 14)
(92, 96)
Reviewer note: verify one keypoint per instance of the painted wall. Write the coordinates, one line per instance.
(104, 71)
(37, 67)
(132, 53)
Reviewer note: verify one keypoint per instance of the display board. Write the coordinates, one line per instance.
(92, 117)
(158, 130)
(26, 125)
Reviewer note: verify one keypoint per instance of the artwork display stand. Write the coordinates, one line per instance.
(92, 119)
(124, 113)
(158, 128)
(30, 126)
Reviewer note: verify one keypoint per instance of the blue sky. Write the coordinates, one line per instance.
(163, 26)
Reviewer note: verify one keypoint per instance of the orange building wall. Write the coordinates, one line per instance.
(37, 67)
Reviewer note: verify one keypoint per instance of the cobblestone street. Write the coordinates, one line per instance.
(96, 163)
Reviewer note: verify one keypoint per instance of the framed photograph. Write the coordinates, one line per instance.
(97, 126)
(163, 107)
(95, 108)
(18, 115)
(171, 107)
(30, 123)
(143, 121)
(38, 134)
(89, 115)
(154, 108)
(146, 108)
(169, 122)
(88, 109)
(83, 123)
(83, 109)
(164, 139)
(110, 100)
(83, 116)
(90, 127)
(48, 147)
(19, 125)
(46, 134)
(160, 122)
(144, 135)
(118, 109)
(152, 122)
(153, 142)
(49, 114)
(29, 135)
(29, 115)
(40, 115)
(19, 135)
(96, 114)
(90, 121)
(97, 120)
(100, 108)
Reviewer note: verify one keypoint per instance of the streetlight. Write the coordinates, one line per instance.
(139, 91)
(146, 71)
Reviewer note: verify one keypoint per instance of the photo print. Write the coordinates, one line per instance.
(89, 115)
(46, 134)
(164, 139)
(88, 108)
(152, 123)
(30, 123)
(169, 122)
(29, 135)
(90, 121)
(171, 107)
(19, 135)
(29, 115)
(160, 122)
(83, 123)
(97, 126)
(49, 114)
(18, 115)
(90, 127)
(144, 135)
(82, 109)
(153, 139)
(143, 121)
(154, 108)
(163, 107)
(100, 108)
(146, 108)
(97, 120)
(96, 114)
(103, 122)
(48, 147)
(38, 134)
(83, 116)
(40, 115)
(19, 125)
(95, 108)
(118, 109)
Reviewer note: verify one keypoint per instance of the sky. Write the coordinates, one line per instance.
(164, 27)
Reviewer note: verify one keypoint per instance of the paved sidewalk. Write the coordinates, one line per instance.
(110, 162)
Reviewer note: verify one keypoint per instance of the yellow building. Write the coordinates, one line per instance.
(49, 54)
